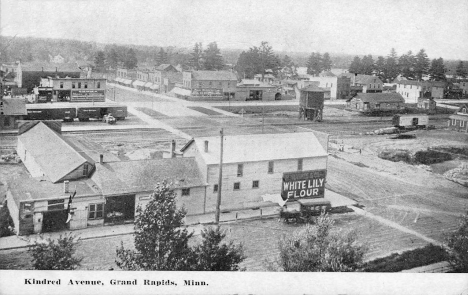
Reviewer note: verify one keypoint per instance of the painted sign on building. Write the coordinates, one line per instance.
(303, 184)
(207, 92)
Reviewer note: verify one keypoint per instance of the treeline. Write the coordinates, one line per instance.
(408, 65)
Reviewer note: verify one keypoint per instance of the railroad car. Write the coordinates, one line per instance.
(70, 111)
(50, 112)
(410, 121)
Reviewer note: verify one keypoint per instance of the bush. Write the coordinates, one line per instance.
(457, 242)
(431, 157)
(395, 155)
(6, 223)
(409, 259)
(55, 255)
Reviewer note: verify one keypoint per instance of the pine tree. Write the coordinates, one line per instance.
(437, 70)
(380, 68)
(367, 65)
(213, 60)
(161, 57)
(422, 64)
(355, 66)
(391, 66)
(406, 63)
(326, 62)
(161, 243)
(461, 70)
(100, 61)
(130, 61)
(196, 57)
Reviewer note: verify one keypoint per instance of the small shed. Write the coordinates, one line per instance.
(311, 103)
(427, 104)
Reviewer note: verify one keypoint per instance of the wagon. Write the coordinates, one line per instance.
(308, 210)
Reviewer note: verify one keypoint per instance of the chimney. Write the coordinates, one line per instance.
(101, 159)
(206, 146)
(66, 185)
(354, 79)
(173, 146)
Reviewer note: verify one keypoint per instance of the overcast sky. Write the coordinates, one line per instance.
(335, 26)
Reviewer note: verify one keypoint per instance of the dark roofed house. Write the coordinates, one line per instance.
(166, 68)
(459, 120)
(364, 83)
(371, 102)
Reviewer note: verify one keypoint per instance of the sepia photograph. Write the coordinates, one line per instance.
(233, 147)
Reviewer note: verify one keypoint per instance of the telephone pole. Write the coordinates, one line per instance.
(220, 180)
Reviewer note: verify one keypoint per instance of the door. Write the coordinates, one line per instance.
(415, 121)
(54, 220)
(119, 209)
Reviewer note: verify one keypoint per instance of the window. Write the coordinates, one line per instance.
(85, 169)
(200, 85)
(56, 204)
(98, 85)
(185, 192)
(6, 121)
(240, 170)
(377, 105)
(271, 166)
(96, 211)
(85, 84)
(299, 164)
(236, 186)
(79, 84)
(61, 84)
(215, 188)
(73, 85)
(255, 184)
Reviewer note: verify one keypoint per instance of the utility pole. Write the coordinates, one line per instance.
(220, 180)
(263, 118)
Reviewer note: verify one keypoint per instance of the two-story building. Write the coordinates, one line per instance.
(364, 83)
(251, 168)
(255, 90)
(335, 87)
(71, 90)
(413, 90)
(208, 85)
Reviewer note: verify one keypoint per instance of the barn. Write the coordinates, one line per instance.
(374, 102)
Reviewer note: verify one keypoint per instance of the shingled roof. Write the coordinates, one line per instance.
(50, 67)
(379, 97)
(54, 155)
(141, 176)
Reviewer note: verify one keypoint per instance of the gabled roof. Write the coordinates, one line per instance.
(14, 106)
(313, 88)
(327, 74)
(259, 147)
(142, 176)
(166, 67)
(214, 75)
(55, 156)
(379, 97)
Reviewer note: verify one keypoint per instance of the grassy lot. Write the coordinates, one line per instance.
(205, 111)
(258, 109)
(150, 112)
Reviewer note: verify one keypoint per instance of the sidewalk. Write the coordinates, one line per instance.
(194, 223)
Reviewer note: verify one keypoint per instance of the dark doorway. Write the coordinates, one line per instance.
(103, 111)
(278, 96)
(63, 95)
(54, 220)
(415, 121)
(256, 95)
(119, 209)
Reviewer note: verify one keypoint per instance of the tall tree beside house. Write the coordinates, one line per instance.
(367, 64)
(437, 70)
(162, 242)
(266, 58)
(130, 61)
(326, 62)
(196, 57)
(422, 64)
(407, 64)
(112, 59)
(161, 57)
(391, 66)
(314, 64)
(380, 68)
(213, 60)
(355, 66)
(287, 62)
(319, 249)
(100, 61)
(461, 70)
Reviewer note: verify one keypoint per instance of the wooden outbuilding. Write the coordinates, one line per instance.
(311, 103)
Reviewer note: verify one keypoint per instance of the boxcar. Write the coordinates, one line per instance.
(50, 112)
(416, 120)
